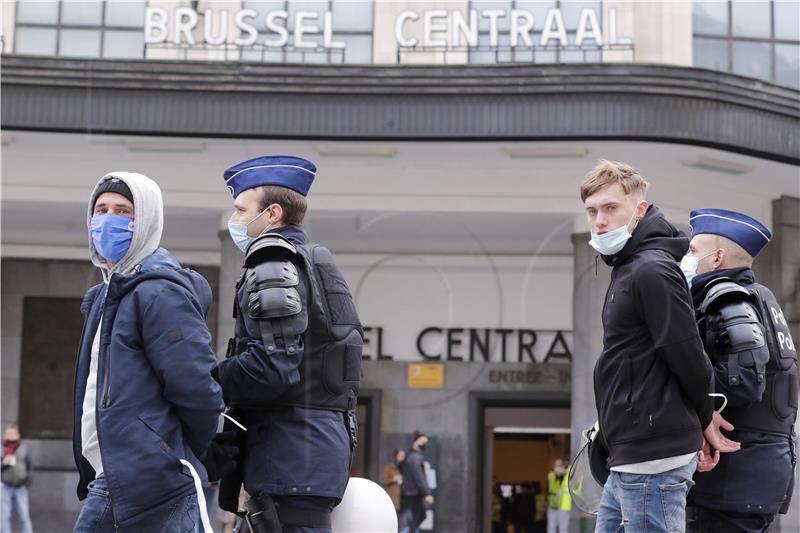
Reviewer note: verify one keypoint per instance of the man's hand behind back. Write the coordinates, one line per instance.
(714, 439)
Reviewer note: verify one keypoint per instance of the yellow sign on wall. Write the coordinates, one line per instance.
(425, 376)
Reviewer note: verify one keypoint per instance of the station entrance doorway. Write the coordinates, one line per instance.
(520, 445)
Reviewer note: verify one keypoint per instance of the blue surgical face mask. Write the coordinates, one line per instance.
(613, 241)
(111, 235)
(238, 231)
(689, 266)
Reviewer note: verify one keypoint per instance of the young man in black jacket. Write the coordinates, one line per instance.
(652, 380)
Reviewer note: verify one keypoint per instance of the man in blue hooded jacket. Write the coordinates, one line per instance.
(145, 404)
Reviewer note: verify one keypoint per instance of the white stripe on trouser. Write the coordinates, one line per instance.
(201, 497)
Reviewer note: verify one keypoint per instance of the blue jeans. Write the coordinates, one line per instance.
(16, 499)
(97, 516)
(651, 503)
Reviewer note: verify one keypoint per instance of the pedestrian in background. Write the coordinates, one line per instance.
(392, 479)
(559, 502)
(415, 492)
(524, 508)
(16, 476)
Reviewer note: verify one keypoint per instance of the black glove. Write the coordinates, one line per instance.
(231, 483)
(220, 458)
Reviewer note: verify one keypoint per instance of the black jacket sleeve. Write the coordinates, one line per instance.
(418, 471)
(666, 306)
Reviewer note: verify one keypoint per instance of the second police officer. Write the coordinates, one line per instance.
(292, 371)
(755, 367)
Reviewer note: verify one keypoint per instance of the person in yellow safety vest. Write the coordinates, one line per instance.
(559, 502)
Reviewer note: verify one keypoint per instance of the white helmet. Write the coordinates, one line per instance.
(365, 508)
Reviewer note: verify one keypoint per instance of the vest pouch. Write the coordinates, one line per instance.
(341, 365)
(784, 394)
(340, 302)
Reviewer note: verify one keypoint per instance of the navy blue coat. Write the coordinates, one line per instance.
(290, 450)
(156, 400)
(758, 478)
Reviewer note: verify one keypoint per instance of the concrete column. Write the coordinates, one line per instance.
(778, 267)
(230, 268)
(591, 281)
(660, 30)
(8, 12)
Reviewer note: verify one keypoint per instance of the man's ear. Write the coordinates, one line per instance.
(719, 258)
(276, 214)
(642, 209)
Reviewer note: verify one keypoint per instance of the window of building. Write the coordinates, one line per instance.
(710, 18)
(80, 29)
(751, 59)
(352, 25)
(787, 64)
(570, 10)
(759, 39)
(711, 54)
(51, 330)
(787, 20)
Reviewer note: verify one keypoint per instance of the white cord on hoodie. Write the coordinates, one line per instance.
(234, 421)
(724, 400)
(201, 497)
(198, 486)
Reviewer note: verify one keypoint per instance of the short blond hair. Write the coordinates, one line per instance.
(608, 172)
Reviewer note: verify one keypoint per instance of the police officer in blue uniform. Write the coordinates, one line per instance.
(292, 370)
(755, 366)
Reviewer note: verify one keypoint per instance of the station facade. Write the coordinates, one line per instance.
(451, 138)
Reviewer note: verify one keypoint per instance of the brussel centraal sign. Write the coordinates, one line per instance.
(430, 29)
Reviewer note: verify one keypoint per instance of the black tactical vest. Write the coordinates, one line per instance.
(777, 410)
(330, 371)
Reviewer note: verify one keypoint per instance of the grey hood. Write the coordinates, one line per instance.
(148, 222)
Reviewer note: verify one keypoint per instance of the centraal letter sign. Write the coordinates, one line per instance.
(313, 30)
(472, 345)
(454, 29)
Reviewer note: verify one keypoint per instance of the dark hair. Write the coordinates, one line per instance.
(293, 203)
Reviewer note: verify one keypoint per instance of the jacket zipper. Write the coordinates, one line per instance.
(104, 352)
(104, 401)
(609, 292)
(106, 376)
